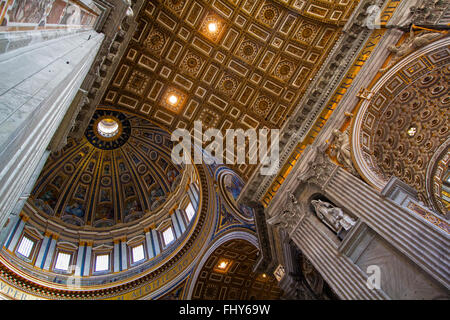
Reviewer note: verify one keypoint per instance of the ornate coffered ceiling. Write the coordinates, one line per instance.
(405, 125)
(228, 275)
(250, 71)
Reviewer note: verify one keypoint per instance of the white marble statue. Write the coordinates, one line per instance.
(341, 148)
(332, 216)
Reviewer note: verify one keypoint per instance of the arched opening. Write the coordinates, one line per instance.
(331, 215)
(228, 274)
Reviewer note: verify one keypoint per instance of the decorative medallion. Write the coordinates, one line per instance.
(268, 14)
(284, 70)
(137, 82)
(191, 64)
(306, 33)
(228, 85)
(175, 5)
(262, 105)
(248, 51)
(155, 41)
(209, 118)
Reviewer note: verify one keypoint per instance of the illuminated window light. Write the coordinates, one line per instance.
(25, 247)
(173, 99)
(138, 253)
(62, 261)
(212, 27)
(102, 262)
(168, 236)
(190, 211)
(412, 131)
(222, 265)
(108, 128)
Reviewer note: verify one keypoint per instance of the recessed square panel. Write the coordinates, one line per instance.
(173, 100)
(212, 27)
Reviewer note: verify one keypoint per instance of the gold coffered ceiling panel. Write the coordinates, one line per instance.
(248, 70)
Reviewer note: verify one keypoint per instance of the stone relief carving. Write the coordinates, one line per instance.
(332, 216)
(429, 12)
(291, 214)
(414, 42)
(341, 149)
(320, 169)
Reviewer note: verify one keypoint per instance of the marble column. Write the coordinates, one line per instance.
(37, 87)
(26, 193)
(124, 251)
(50, 252)
(87, 259)
(156, 243)
(193, 195)
(15, 235)
(418, 239)
(117, 256)
(42, 251)
(80, 256)
(182, 223)
(175, 224)
(149, 244)
(386, 235)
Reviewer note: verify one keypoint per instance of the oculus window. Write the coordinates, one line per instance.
(108, 128)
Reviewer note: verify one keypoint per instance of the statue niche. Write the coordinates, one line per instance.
(333, 217)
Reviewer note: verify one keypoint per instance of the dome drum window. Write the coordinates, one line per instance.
(26, 247)
(168, 236)
(190, 211)
(137, 254)
(101, 262)
(63, 260)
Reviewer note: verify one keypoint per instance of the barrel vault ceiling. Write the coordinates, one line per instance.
(250, 73)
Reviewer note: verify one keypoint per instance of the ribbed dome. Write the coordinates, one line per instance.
(110, 176)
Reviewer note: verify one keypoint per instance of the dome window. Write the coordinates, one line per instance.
(25, 247)
(168, 236)
(108, 127)
(138, 253)
(102, 262)
(190, 212)
(63, 261)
